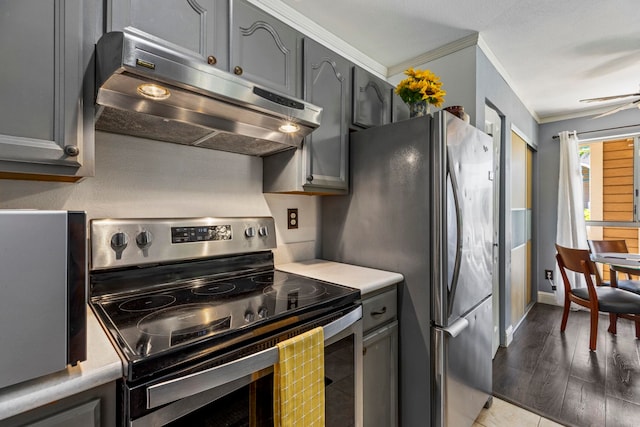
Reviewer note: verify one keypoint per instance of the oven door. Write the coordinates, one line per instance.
(240, 392)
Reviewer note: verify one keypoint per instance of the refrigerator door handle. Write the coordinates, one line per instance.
(458, 260)
(457, 327)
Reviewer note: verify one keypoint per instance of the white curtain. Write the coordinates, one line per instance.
(571, 230)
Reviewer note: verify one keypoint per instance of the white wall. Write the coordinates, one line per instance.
(549, 161)
(457, 72)
(141, 178)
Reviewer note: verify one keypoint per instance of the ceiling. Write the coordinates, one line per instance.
(552, 53)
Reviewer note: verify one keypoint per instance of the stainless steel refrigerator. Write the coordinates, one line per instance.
(421, 204)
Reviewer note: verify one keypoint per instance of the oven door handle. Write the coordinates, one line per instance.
(189, 385)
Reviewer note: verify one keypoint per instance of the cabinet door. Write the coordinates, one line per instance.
(399, 108)
(86, 415)
(264, 50)
(371, 99)
(380, 360)
(326, 150)
(95, 407)
(198, 26)
(41, 81)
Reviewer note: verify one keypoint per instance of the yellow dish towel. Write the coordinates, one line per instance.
(298, 381)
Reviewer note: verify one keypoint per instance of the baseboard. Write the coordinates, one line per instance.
(547, 298)
(544, 298)
(508, 335)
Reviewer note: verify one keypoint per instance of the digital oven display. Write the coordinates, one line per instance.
(200, 234)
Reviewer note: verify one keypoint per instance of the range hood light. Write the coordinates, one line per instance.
(153, 91)
(149, 90)
(289, 128)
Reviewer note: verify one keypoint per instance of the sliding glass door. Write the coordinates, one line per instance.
(610, 185)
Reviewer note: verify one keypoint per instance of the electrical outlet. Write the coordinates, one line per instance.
(293, 219)
(548, 274)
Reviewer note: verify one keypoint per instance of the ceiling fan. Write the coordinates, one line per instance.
(634, 103)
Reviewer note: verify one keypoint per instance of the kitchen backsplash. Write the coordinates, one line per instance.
(139, 178)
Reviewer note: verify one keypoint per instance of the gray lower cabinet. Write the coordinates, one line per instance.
(380, 359)
(264, 50)
(46, 81)
(93, 408)
(84, 415)
(200, 27)
(321, 165)
(371, 100)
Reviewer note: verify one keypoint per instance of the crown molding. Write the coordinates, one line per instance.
(579, 114)
(471, 40)
(309, 28)
(442, 51)
(493, 59)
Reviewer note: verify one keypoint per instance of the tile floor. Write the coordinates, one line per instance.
(505, 414)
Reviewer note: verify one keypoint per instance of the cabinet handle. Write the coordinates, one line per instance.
(71, 150)
(212, 60)
(237, 70)
(382, 311)
(310, 178)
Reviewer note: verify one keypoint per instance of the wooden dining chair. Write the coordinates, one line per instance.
(628, 284)
(597, 299)
(620, 246)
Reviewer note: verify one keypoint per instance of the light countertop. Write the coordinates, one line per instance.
(102, 366)
(366, 279)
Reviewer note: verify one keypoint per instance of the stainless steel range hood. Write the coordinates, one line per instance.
(150, 90)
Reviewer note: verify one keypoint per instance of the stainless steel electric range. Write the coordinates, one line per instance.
(195, 308)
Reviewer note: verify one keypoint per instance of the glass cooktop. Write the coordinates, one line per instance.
(213, 310)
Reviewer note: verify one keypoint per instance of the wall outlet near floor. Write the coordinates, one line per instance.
(548, 274)
(293, 219)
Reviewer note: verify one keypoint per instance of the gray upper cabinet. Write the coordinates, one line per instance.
(326, 84)
(399, 108)
(264, 50)
(199, 27)
(321, 165)
(371, 99)
(46, 109)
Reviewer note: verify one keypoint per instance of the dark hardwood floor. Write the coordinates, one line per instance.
(556, 376)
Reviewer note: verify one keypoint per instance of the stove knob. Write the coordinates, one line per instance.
(249, 316)
(250, 232)
(143, 239)
(263, 231)
(119, 241)
(263, 312)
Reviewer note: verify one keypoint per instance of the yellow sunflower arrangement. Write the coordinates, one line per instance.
(421, 85)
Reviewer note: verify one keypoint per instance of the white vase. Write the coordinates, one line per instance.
(420, 108)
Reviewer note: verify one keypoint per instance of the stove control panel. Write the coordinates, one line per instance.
(165, 240)
(200, 234)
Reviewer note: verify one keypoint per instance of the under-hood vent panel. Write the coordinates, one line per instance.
(239, 144)
(207, 107)
(160, 129)
(150, 127)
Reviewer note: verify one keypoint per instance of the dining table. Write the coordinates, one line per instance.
(618, 262)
